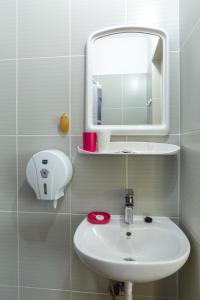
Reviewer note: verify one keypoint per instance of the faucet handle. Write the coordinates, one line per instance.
(129, 193)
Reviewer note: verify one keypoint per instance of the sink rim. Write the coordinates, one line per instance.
(165, 220)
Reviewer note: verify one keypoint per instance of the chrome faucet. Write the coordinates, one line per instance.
(129, 204)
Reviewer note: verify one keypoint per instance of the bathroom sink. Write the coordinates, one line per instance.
(139, 252)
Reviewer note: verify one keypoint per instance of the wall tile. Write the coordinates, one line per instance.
(98, 182)
(165, 288)
(44, 250)
(190, 72)
(174, 95)
(7, 29)
(153, 13)
(27, 147)
(83, 279)
(169, 139)
(189, 15)
(8, 249)
(155, 180)
(190, 273)
(87, 296)
(8, 174)
(32, 294)
(8, 97)
(8, 293)
(92, 15)
(43, 28)
(190, 169)
(43, 95)
(77, 94)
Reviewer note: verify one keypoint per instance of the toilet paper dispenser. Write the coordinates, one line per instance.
(48, 172)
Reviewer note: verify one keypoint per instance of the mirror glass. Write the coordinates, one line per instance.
(127, 73)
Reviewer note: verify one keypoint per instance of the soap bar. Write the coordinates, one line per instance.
(98, 217)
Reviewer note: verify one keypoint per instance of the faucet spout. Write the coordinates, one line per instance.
(129, 204)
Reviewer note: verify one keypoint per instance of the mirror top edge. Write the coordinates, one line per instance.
(126, 29)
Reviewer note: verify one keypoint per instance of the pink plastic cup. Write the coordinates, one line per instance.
(90, 141)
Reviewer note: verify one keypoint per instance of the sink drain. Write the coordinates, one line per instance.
(129, 259)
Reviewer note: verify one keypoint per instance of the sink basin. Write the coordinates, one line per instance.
(139, 252)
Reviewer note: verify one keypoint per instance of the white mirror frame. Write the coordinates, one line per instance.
(146, 129)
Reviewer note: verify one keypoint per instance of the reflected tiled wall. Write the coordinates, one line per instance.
(42, 75)
(189, 287)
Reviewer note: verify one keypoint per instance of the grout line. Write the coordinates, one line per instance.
(17, 146)
(191, 132)
(40, 57)
(9, 135)
(8, 211)
(38, 288)
(82, 292)
(44, 212)
(90, 293)
(45, 135)
(70, 150)
(126, 166)
(79, 135)
(179, 155)
(51, 57)
(7, 59)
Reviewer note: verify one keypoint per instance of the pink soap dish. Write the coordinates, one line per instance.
(98, 217)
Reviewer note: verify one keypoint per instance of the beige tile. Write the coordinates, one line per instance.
(77, 94)
(165, 288)
(189, 15)
(32, 294)
(174, 95)
(189, 193)
(43, 95)
(168, 139)
(190, 273)
(8, 250)
(8, 29)
(27, 147)
(91, 15)
(190, 72)
(88, 296)
(159, 14)
(8, 97)
(8, 293)
(43, 28)
(8, 174)
(154, 180)
(98, 182)
(44, 250)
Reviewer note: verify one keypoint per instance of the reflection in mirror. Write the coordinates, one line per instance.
(127, 79)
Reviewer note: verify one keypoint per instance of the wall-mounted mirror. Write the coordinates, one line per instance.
(127, 82)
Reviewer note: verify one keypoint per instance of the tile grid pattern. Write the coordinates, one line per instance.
(190, 141)
(29, 140)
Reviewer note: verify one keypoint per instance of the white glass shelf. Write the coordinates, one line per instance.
(135, 148)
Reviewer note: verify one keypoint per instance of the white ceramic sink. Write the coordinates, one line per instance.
(152, 251)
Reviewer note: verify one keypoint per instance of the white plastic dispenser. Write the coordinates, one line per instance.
(48, 172)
